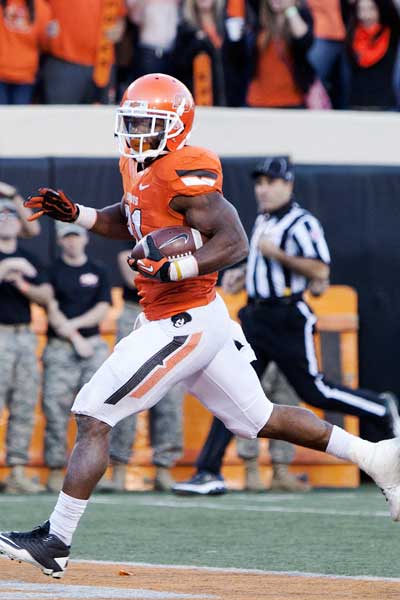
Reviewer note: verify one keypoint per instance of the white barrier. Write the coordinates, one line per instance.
(313, 137)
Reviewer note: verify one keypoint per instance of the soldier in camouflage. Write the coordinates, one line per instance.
(74, 350)
(165, 417)
(21, 283)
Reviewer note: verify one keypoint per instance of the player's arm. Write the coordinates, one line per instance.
(217, 219)
(111, 223)
(214, 217)
(108, 222)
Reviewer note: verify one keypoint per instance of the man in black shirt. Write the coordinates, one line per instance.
(74, 350)
(21, 282)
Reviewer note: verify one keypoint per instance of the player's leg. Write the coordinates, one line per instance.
(122, 439)
(229, 387)
(140, 371)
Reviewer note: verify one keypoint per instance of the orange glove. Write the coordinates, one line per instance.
(54, 204)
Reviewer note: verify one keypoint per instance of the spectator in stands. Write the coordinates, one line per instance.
(328, 53)
(283, 76)
(21, 282)
(74, 349)
(198, 51)
(156, 22)
(165, 417)
(79, 67)
(237, 50)
(124, 58)
(212, 51)
(24, 31)
(373, 32)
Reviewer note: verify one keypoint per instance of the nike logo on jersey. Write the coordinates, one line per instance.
(144, 268)
(143, 187)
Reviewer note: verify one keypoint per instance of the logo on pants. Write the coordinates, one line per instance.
(181, 319)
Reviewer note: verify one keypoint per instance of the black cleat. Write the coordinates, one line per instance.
(38, 547)
(202, 484)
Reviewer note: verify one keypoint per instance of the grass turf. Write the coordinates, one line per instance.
(323, 532)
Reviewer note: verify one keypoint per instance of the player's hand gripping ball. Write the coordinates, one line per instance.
(153, 254)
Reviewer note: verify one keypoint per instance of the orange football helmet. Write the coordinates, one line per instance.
(155, 116)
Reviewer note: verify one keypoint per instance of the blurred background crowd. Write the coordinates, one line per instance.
(319, 54)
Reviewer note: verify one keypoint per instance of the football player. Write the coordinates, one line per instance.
(185, 333)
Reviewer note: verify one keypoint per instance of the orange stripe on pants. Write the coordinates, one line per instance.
(169, 364)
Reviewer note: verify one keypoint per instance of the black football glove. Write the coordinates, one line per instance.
(54, 204)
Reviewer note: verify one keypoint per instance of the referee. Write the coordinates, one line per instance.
(287, 251)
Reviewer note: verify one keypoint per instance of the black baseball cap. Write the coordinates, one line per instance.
(277, 167)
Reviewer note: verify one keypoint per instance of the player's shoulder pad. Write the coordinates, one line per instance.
(191, 171)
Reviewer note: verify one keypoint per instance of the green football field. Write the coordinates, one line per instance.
(330, 532)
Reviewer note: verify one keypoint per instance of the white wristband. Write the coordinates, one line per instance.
(183, 268)
(87, 216)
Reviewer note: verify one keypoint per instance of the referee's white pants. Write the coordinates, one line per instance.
(199, 350)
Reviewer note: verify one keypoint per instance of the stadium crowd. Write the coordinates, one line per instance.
(319, 54)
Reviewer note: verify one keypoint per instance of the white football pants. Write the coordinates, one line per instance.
(203, 348)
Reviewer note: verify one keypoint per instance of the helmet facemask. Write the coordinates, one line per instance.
(144, 132)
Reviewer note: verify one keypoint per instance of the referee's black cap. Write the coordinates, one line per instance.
(277, 167)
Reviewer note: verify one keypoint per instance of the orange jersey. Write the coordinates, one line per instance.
(190, 171)
(80, 24)
(21, 40)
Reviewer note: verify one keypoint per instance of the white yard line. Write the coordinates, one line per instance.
(206, 505)
(15, 590)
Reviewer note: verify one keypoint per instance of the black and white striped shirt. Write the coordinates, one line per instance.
(298, 233)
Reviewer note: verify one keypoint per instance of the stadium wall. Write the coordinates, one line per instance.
(348, 174)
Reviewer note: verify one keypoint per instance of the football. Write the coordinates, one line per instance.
(172, 242)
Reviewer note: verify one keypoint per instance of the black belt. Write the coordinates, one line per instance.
(276, 301)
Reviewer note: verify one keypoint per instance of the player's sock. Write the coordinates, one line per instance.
(341, 442)
(65, 517)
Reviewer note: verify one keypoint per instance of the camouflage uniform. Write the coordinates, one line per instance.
(64, 374)
(279, 391)
(165, 417)
(19, 385)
